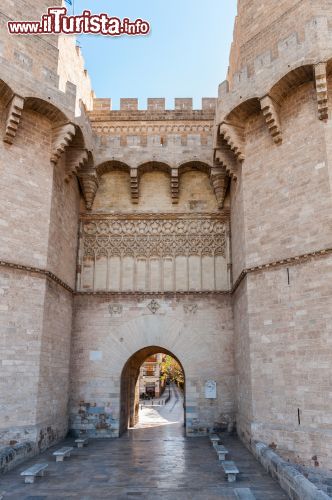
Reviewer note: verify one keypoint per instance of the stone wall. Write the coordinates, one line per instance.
(291, 355)
(281, 226)
(108, 331)
(38, 230)
(71, 68)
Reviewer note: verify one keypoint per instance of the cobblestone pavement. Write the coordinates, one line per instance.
(153, 461)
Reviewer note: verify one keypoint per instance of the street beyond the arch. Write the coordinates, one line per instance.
(153, 461)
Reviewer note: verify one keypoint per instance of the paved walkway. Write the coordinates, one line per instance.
(153, 461)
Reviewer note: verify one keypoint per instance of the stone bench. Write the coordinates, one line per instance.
(222, 452)
(34, 471)
(214, 438)
(82, 442)
(230, 470)
(244, 494)
(62, 453)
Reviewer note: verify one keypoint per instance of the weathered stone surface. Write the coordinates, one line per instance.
(184, 230)
(291, 480)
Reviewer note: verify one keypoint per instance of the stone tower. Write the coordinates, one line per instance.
(273, 140)
(205, 234)
(39, 224)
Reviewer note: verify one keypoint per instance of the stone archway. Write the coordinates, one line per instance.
(129, 396)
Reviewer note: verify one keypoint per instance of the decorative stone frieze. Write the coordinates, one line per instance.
(62, 137)
(15, 108)
(159, 237)
(321, 89)
(271, 114)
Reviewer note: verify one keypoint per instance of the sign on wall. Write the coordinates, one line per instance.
(210, 389)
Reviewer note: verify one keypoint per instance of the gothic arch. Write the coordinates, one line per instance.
(6, 93)
(193, 165)
(46, 108)
(110, 166)
(129, 397)
(153, 166)
(292, 79)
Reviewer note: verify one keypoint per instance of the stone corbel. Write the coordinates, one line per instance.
(89, 182)
(76, 159)
(219, 180)
(271, 114)
(134, 185)
(175, 186)
(234, 137)
(62, 137)
(229, 164)
(321, 89)
(15, 108)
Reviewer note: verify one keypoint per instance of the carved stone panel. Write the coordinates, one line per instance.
(153, 254)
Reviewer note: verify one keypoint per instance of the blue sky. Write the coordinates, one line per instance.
(185, 55)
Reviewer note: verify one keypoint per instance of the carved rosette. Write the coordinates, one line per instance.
(321, 89)
(15, 108)
(153, 306)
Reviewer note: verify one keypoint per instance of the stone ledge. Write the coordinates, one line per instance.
(291, 261)
(290, 479)
(38, 271)
(11, 456)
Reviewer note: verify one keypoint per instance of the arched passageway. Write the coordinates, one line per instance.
(130, 394)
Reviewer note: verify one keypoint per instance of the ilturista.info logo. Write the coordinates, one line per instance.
(57, 21)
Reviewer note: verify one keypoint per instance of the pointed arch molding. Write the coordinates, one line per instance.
(230, 127)
(135, 173)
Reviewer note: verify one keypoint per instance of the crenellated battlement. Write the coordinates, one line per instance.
(154, 105)
(310, 46)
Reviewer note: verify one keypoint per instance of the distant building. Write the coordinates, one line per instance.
(150, 382)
